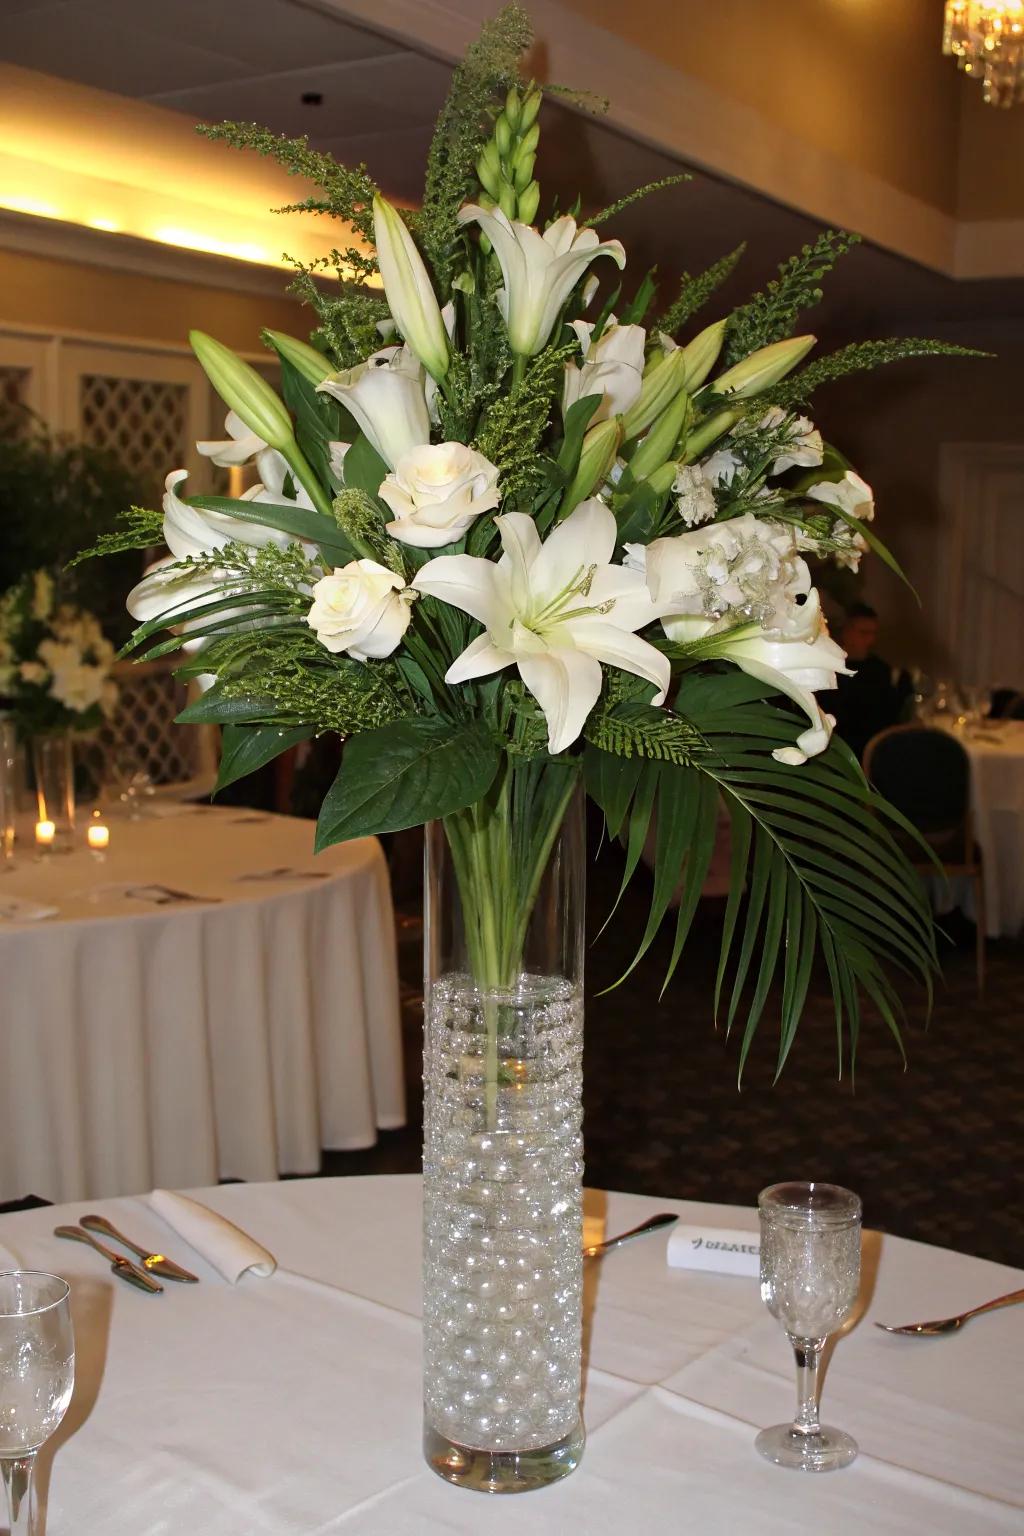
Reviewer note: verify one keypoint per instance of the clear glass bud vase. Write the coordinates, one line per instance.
(503, 1151)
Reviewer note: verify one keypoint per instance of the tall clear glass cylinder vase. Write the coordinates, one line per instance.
(503, 1150)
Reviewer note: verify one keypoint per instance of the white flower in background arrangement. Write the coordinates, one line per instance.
(803, 442)
(78, 687)
(362, 609)
(613, 367)
(556, 610)
(387, 397)
(747, 567)
(695, 500)
(42, 595)
(851, 495)
(539, 270)
(437, 491)
(33, 672)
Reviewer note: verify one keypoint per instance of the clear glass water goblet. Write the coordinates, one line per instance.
(37, 1377)
(810, 1276)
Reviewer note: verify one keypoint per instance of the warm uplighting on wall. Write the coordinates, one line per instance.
(124, 167)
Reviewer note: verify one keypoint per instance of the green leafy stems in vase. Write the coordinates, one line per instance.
(512, 533)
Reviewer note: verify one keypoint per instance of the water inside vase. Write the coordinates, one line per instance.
(503, 1170)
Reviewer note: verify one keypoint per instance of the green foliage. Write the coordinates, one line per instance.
(694, 292)
(405, 774)
(348, 322)
(772, 315)
(489, 67)
(812, 846)
(359, 517)
(300, 522)
(857, 358)
(634, 197)
(245, 748)
(638, 730)
(514, 424)
(139, 529)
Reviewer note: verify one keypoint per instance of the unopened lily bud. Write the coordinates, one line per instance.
(244, 391)
(507, 200)
(529, 202)
(304, 359)
(600, 445)
(503, 135)
(465, 282)
(708, 432)
(659, 387)
(522, 172)
(513, 108)
(661, 442)
(701, 354)
(531, 106)
(529, 141)
(663, 479)
(488, 168)
(408, 289)
(763, 368)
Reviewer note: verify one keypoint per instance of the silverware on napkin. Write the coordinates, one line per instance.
(652, 1224)
(951, 1324)
(285, 872)
(152, 1263)
(164, 895)
(122, 1267)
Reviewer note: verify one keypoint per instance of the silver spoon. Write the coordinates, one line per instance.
(951, 1324)
(652, 1224)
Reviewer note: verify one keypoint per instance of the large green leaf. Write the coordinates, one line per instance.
(301, 522)
(365, 470)
(244, 748)
(404, 774)
(212, 708)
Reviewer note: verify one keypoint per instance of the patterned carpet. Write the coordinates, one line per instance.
(934, 1150)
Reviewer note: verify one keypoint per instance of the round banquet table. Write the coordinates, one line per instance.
(997, 807)
(178, 1044)
(291, 1406)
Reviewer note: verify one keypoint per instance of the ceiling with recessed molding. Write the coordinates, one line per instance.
(258, 59)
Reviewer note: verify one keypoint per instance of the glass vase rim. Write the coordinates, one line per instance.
(810, 1204)
(46, 1306)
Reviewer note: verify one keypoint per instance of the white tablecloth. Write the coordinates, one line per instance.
(147, 1045)
(997, 805)
(291, 1406)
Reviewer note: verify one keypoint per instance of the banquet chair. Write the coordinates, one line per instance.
(926, 774)
(142, 736)
(1013, 709)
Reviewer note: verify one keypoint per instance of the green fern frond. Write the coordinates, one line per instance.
(638, 730)
(514, 424)
(857, 358)
(140, 529)
(772, 315)
(694, 292)
(634, 197)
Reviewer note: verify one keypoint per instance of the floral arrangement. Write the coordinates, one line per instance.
(514, 530)
(55, 662)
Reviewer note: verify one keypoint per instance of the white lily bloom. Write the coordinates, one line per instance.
(851, 495)
(799, 662)
(613, 367)
(746, 567)
(273, 473)
(387, 397)
(437, 491)
(190, 531)
(720, 467)
(241, 444)
(539, 270)
(408, 288)
(360, 608)
(164, 590)
(804, 445)
(555, 610)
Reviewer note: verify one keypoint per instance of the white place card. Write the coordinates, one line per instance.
(724, 1250)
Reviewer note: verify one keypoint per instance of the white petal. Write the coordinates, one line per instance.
(616, 648)
(522, 548)
(480, 658)
(566, 685)
(466, 582)
(586, 537)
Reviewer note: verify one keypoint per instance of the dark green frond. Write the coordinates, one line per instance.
(694, 292)
(514, 424)
(772, 315)
(140, 529)
(634, 197)
(857, 358)
(638, 730)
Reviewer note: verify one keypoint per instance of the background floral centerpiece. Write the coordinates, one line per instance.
(521, 531)
(55, 661)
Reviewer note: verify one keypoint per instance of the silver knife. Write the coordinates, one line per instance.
(122, 1267)
(153, 1263)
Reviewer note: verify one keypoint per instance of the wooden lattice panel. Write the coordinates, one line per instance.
(142, 734)
(143, 421)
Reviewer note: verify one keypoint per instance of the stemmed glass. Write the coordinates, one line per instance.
(810, 1275)
(37, 1375)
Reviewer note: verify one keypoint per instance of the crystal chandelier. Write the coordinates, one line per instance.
(986, 37)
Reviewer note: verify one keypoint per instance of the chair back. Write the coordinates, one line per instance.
(926, 774)
(1014, 708)
(143, 734)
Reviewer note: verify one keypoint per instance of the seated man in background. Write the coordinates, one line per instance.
(871, 699)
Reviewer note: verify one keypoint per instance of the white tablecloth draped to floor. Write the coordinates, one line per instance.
(146, 1045)
(291, 1406)
(997, 805)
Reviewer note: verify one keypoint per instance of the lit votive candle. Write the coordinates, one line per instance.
(98, 837)
(45, 833)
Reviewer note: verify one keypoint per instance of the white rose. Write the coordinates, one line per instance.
(613, 367)
(436, 491)
(360, 609)
(851, 495)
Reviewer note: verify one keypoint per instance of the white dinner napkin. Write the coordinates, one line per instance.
(726, 1250)
(230, 1250)
(14, 910)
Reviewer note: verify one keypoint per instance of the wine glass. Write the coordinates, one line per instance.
(810, 1275)
(37, 1375)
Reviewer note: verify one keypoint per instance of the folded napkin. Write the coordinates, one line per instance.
(14, 910)
(726, 1250)
(230, 1250)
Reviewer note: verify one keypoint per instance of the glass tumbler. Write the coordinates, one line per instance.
(810, 1276)
(37, 1377)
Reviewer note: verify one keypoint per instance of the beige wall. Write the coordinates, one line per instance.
(63, 296)
(991, 166)
(863, 80)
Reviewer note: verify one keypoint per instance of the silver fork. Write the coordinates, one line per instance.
(951, 1324)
